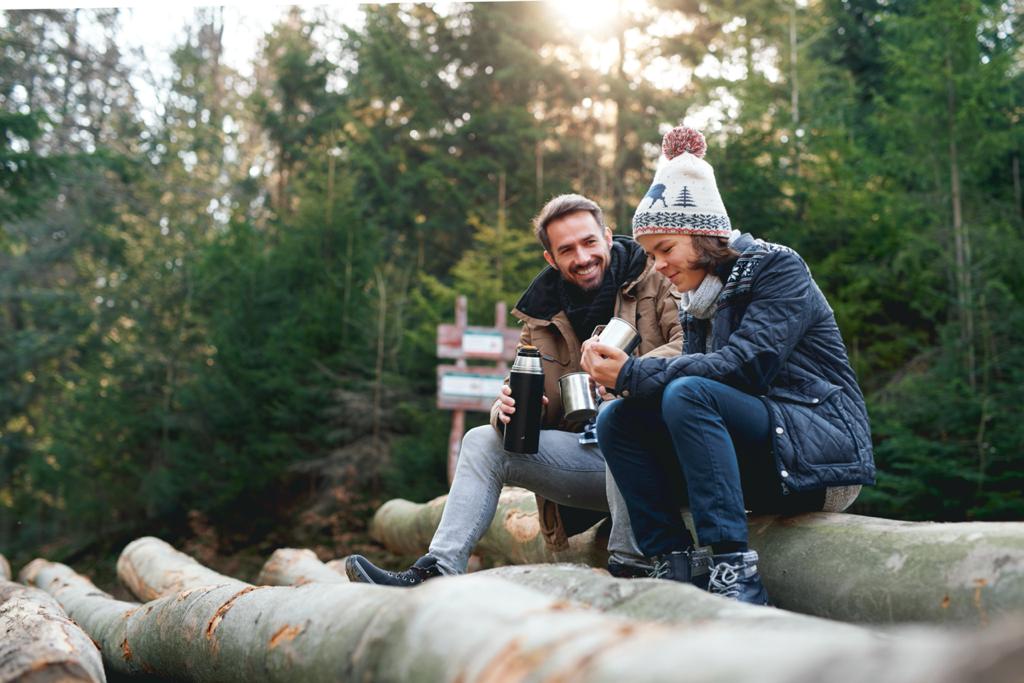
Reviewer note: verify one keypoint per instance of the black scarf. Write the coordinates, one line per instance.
(587, 310)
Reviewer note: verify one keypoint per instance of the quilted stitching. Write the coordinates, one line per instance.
(781, 343)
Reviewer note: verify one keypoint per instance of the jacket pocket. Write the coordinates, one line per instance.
(819, 428)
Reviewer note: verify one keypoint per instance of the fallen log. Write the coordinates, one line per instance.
(37, 640)
(102, 617)
(513, 537)
(648, 599)
(477, 628)
(660, 601)
(338, 565)
(839, 566)
(295, 567)
(867, 569)
(150, 568)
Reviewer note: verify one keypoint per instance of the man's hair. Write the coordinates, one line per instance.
(711, 252)
(560, 206)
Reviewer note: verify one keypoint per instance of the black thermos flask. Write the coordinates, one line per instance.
(526, 381)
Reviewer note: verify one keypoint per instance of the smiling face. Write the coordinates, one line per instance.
(674, 256)
(580, 249)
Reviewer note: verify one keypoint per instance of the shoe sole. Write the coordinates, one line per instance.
(356, 573)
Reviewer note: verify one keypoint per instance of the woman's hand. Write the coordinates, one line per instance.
(602, 362)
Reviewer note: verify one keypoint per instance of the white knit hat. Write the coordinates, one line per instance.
(683, 199)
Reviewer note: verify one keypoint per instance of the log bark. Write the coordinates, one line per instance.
(151, 568)
(513, 537)
(478, 628)
(648, 599)
(38, 643)
(295, 567)
(98, 614)
(839, 566)
(867, 569)
(660, 601)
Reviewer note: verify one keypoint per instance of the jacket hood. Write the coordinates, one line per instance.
(541, 300)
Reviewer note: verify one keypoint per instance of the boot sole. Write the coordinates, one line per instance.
(356, 573)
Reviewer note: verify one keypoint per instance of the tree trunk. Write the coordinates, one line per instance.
(151, 568)
(846, 567)
(296, 567)
(662, 601)
(38, 643)
(378, 368)
(620, 95)
(1018, 195)
(479, 628)
(666, 602)
(102, 617)
(961, 236)
(513, 538)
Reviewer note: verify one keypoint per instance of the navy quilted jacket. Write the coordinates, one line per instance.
(775, 336)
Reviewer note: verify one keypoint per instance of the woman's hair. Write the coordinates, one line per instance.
(711, 252)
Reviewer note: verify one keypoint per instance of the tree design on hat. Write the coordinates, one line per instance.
(655, 193)
(685, 199)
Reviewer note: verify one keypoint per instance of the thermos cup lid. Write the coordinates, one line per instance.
(528, 361)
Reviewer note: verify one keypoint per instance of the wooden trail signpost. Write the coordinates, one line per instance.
(462, 387)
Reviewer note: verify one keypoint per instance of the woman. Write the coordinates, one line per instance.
(762, 411)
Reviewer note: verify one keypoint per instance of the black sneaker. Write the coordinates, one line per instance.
(735, 575)
(686, 566)
(361, 570)
(627, 571)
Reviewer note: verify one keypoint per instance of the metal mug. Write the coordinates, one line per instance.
(579, 399)
(620, 334)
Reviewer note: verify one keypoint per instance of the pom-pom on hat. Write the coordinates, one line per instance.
(683, 199)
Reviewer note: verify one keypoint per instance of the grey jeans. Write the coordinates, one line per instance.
(563, 470)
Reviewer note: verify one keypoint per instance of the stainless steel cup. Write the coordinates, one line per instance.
(579, 399)
(620, 334)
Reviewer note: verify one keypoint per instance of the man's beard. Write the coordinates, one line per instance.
(591, 285)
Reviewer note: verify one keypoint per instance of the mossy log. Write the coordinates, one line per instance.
(479, 628)
(297, 566)
(513, 537)
(38, 643)
(840, 566)
(151, 568)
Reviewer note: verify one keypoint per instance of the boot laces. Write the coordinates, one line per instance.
(659, 568)
(725, 579)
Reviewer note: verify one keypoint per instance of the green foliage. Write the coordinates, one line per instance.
(199, 303)
(418, 467)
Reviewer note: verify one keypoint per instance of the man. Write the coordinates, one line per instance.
(591, 277)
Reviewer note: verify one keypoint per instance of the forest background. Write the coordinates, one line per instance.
(218, 315)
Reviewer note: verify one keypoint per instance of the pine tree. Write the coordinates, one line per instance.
(685, 199)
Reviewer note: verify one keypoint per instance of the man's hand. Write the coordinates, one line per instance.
(603, 362)
(507, 404)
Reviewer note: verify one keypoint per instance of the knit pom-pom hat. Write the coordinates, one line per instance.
(683, 199)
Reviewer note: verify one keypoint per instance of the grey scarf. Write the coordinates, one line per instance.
(702, 302)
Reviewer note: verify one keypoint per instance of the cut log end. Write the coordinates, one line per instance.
(55, 672)
(39, 643)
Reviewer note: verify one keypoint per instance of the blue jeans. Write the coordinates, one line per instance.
(700, 443)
